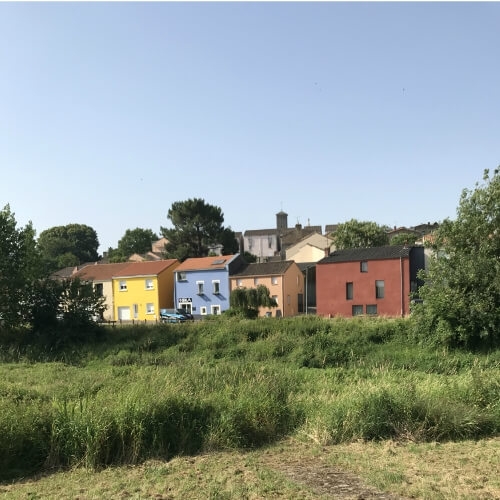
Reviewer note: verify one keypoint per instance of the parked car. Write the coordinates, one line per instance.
(185, 313)
(171, 316)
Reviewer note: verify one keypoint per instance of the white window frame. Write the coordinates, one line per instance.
(275, 297)
(181, 276)
(150, 308)
(149, 284)
(122, 285)
(199, 287)
(216, 287)
(239, 282)
(274, 280)
(203, 310)
(215, 307)
(256, 281)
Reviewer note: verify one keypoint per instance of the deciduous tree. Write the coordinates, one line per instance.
(19, 266)
(359, 234)
(461, 294)
(136, 240)
(404, 239)
(71, 244)
(248, 300)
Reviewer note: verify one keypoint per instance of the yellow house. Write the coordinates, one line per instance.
(285, 282)
(141, 289)
(101, 275)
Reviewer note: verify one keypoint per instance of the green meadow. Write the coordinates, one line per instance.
(134, 394)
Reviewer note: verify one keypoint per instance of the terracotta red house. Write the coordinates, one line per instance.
(369, 281)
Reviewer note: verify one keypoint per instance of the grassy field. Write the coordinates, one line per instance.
(229, 408)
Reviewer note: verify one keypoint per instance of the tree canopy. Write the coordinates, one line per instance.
(247, 301)
(69, 245)
(197, 225)
(408, 239)
(19, 266)
(136, 240)
(359, 234)
(461, 294)
(29, 299)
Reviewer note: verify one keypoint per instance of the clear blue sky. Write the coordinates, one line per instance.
(110, 112)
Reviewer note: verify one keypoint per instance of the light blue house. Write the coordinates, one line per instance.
(202, 283)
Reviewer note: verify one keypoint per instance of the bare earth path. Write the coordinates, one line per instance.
(325, 480)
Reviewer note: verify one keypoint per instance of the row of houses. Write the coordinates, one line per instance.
(373, 281)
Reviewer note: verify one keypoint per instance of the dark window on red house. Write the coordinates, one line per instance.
(349, 291)
(357, 310)
(371, 309)
(379, 289)
(363, 266)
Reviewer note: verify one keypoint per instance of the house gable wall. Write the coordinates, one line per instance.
(331, 279)
(188, 290)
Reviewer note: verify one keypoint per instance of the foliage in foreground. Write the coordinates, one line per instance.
(146, 392)
(461, 295)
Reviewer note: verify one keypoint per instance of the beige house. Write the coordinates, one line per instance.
(311, 248)
(156, 253)
(101, 276)
(285, 282)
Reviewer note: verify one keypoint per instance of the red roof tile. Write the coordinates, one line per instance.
(198, 263)
(100, 272)
(146, 268)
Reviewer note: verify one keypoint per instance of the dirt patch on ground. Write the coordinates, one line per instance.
(323, 479)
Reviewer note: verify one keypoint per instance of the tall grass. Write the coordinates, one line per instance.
(137, 393)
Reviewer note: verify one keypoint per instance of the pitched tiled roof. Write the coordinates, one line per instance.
(147, 268)
(68, 272)
(264, 269)
(199, 263)
(100, 272)
(293, 236)
(373, 253)
(261, 232)
(331, 228)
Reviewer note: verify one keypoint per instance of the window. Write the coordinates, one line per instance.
(215, 310)
(275, 297)
(149, 285)
(357, 310)
(150, 308)
(216, 287)
(274, 280)
(199, 285)
(379, 289)
(256, 281)
(123, 286)
(363, 266)
(239, 282)
(99, 289)
(371, 309)
(270, 241)
(288, 301)
(181, 276)
(349, 290)
(203, 310)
